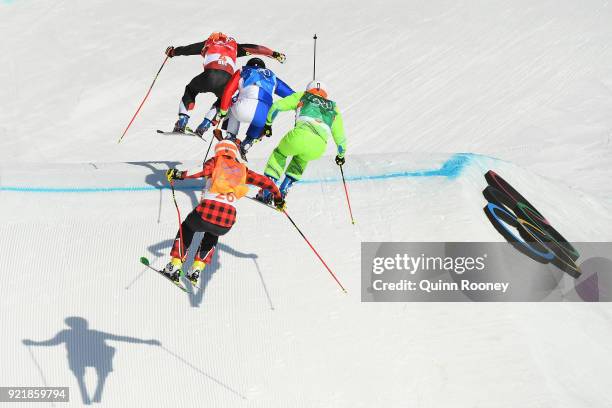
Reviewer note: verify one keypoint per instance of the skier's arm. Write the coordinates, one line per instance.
(128, 339)
(264, 182)
(282, 89)
(207, 170)
(191, 49)
(229, 91)
(254, 49)
(287, 103)
(58, 339)
(338, 134)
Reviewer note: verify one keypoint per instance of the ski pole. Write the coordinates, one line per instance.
(178, 211)
(315, 251)
(216, 136)
(314, 59)
(207, 151)
(143, 101)
(347, 196)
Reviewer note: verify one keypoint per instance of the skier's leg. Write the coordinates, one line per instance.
(253, 134)
(208, 118)
(243, 110)
(197, 85)
(179, 252)
(298, 164)
(206, 249)
(215, 82)
(311, 148)
(189, 227)
(211, 80)
(278, 159)
(233, 125)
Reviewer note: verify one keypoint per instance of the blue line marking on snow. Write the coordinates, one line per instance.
(451, 169)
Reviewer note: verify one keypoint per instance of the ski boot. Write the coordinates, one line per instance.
(264, 195)
(196, 269)
(173, 269)
(203, 127)
(181, 123)
(232, 138)
(286, 185)
(246, 144)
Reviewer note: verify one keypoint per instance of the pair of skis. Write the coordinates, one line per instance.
(145, 261)
(179, 284)
(188, 132)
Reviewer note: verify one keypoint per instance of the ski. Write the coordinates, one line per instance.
(262, 203)
(187, 132)
(179, 285)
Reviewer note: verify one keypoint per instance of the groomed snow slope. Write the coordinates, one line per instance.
(418, 83)
(269, 327)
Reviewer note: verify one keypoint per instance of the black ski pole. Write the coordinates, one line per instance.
(314, 59)
(216, 136)
(206, 157)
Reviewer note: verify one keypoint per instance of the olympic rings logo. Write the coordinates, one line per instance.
(510, 212)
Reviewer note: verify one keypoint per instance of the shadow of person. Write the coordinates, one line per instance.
(157, 179)
(195, 299)
(87, 348)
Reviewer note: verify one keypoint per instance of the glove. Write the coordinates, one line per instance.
(280, 204)
(267, 130)
(170, 51)
(339, 160)
(174, 174)
(220, 115)
(279, 56)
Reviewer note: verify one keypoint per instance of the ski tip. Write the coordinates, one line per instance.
(160, 131)
(144, 261)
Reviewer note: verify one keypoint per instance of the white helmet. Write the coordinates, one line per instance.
(226, 148)
(317, 87)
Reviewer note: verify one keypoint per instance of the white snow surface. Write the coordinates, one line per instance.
(520, 87)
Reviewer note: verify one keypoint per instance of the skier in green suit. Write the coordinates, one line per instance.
(316, 119)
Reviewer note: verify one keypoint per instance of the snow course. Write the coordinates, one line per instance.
(433, 93)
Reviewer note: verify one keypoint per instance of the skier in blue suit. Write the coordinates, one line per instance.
(256, 86)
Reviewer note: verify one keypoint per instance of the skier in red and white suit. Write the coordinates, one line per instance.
(227, 181)
(220, 53)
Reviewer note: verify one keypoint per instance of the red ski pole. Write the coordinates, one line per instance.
(315, 251)
(347, 196)
(143, 101)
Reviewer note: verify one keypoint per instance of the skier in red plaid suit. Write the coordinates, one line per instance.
(226, 183)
